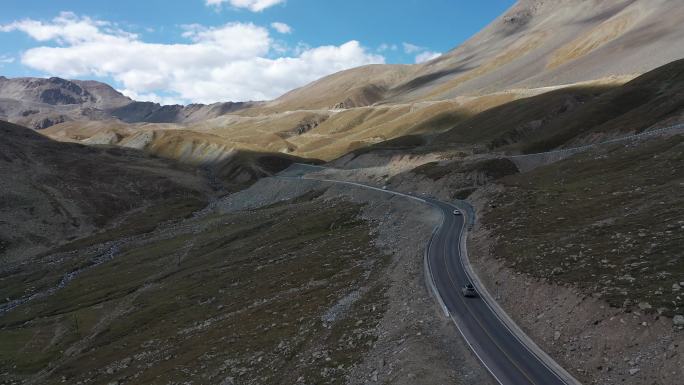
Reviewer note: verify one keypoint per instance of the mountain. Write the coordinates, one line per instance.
(54, 192)
(575, 48)
(537, 43)
(57, 92)
(576, 116)
(540, 43)
(149, 244)
(40, 103)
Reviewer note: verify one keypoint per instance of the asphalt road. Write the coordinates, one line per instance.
(504, 355)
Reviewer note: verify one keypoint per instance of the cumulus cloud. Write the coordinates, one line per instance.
(252, 5)
(233, 62)
(427, 56)
(67, 28)
(281, 27)
(4, 59)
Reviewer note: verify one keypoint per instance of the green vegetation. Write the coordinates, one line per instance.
(55, 192)
(610, 222)
(273, 295)
(141, 222)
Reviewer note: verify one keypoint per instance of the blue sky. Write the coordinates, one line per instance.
(216, 50)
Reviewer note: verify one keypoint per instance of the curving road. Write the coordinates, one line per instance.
(506, 357)
(507, 353)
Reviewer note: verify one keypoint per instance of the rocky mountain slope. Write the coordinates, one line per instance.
(116, 270)
(55, 192)
(577, 115)
(40, 103)
(536, 43)
(185, 300)
(586, 253)
(535, 48)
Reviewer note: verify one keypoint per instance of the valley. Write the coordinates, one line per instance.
(300, 240)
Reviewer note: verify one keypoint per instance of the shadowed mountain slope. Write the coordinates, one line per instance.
(54, 192)
(562, 54)
(576, 116)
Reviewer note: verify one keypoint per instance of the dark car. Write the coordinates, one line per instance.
(469, 291)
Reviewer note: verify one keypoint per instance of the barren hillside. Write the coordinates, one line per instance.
(40, 103)
(535, 48)
(55, 192)
(142, 243)
(536, 43)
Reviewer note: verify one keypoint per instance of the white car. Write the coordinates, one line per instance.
(456, 212)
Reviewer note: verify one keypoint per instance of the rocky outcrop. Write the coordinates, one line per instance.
(59, 92)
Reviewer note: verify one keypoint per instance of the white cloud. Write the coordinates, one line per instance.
(233, 62)
(239, 40)
(387, 47)
(69, 29)
(252, 5)
(427, 56)
(4, 59)
(412, 48)
(281, 27)
(422, 53)
(151, 97)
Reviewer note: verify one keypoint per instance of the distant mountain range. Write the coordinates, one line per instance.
(145, 243)
(40, 103)
(537, 43)
(576, 49)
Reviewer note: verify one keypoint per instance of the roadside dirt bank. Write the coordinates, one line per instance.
(415, 342)
(597, 343)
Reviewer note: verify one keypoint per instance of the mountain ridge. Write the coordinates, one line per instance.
(43, 102)
(535, 47)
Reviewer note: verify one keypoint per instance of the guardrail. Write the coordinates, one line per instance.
(470, 217)
(501, 314)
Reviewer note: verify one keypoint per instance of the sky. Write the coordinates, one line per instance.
(205, 51)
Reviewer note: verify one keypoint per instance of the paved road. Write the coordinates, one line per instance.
(506, 357)
(503, 353)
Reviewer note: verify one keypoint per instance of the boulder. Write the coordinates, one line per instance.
(678, 320)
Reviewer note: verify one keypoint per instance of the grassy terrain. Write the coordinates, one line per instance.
(519, 120)
(610, 222)
(284, 294)
(52, 191)
(575, 115)
(648, 100)
(316, 134)
(139, 222)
